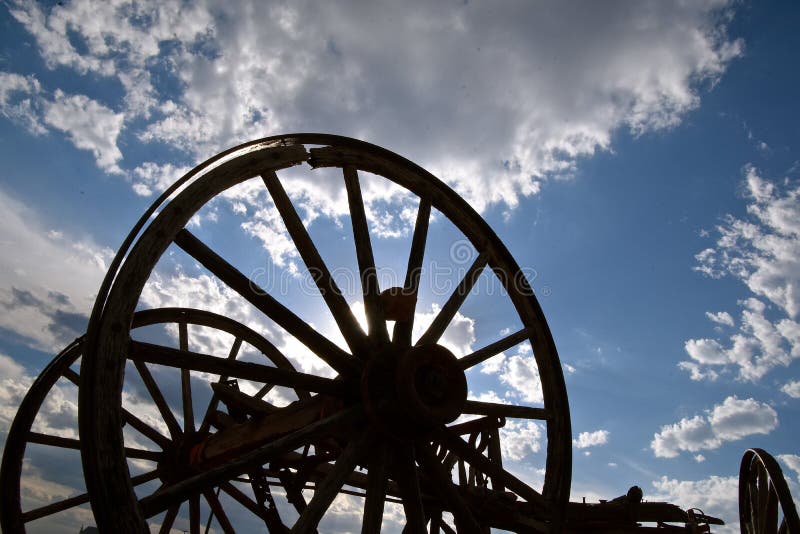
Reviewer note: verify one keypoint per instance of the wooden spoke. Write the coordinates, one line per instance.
(327, 490)
(405, 473)
(186, 382)
(235, 348)
(330, 291)
(55, 507)
(402, 329)
(77, 500)
(169, 519)
(218, 511)
(261, 393)
(443, 485)
(448, 311)
(258, 297)
(366, 261)
(158, 398)
(435, 522)
(240, 497)
(70, 443)
(377, 479)
(146, 430)
(158, 354)
(194, 514)
(494, 409)
(163, 499)
(214, 401)
(242, 401)
(481, 355)
(467, 453)
(72, 376)
(446, 528)
(496, 456)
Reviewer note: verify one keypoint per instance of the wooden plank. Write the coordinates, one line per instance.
(165, 497)
(250, 434)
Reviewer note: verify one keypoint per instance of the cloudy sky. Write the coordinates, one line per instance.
(641, 161)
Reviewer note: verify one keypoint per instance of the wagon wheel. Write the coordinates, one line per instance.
(762, 489)
(12, 517)
(389, 407)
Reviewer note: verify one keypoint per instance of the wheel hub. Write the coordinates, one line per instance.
(409, 393)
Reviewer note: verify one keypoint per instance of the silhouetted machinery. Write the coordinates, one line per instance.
(381, 428)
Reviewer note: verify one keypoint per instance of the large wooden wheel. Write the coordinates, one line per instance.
(152, 443)
(386, 427)
(765, 504)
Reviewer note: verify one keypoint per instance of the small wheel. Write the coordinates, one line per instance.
(765, 504)
(393, 408)
(149, 440)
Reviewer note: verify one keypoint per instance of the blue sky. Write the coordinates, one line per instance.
(639, 160)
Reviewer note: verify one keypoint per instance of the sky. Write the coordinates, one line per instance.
(640, 160)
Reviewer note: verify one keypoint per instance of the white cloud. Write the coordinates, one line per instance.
(591, 439)
(764, 250)
(792, 388)
(150, 177)
(723, 318)
(16, 103)
(758, 346)
(89, 125)
(699, 458)
(716, 496)
(459, 335)
(732, 420)
(519, 371)
(698, 372)
(116, 38)
(792, 461)
(473, 93)
(49, 282)
(520, 438)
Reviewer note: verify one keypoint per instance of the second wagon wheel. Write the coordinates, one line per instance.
(390, 407)
(153, 438)
(765, 504)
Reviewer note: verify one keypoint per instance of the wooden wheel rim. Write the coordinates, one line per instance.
(101, 381)
(762, 488)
